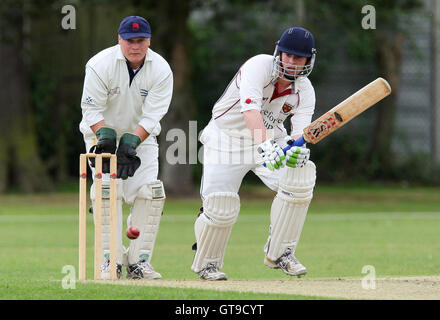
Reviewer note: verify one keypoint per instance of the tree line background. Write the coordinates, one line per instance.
(205, 43)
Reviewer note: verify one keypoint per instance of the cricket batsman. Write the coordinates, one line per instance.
(246, 133)
(127, 90)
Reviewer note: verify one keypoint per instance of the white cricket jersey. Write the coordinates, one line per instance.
(254, 87)
(109, 96)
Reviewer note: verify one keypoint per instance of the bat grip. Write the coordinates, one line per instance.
(297, 143)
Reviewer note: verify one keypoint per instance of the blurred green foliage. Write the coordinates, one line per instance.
(223, 35)
(344, 158)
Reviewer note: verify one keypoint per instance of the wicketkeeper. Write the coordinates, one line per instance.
(127, 91)
(247, 131)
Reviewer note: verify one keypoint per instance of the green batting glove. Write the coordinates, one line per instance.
(297, 157)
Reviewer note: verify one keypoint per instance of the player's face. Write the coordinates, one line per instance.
(293, 64)
(134, 49)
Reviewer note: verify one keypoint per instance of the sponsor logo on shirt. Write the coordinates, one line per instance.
(270, 120)
(114, 91)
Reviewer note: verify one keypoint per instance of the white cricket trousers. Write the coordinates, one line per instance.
(226, 162)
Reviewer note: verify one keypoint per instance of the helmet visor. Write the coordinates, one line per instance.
(291, 72)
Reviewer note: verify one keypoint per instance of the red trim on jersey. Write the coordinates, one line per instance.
(267, 84)
(236, 77)
(277, 94)
(291, 126)
(229, 84)
(226, 110)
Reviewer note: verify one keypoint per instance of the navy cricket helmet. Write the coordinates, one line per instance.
(297, 41)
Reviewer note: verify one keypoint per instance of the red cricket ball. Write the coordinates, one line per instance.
(132, 232)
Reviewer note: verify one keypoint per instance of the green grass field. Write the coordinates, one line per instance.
(394, 229)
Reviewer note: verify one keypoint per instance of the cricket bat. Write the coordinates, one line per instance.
(348, 109)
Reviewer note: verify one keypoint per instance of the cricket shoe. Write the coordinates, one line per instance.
(142, 270)
(105, 270)
(211, 273)
(288, 263)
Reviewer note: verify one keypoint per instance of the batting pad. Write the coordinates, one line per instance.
(145, 214)
(213, 228)
(289, 209)
(105, 219)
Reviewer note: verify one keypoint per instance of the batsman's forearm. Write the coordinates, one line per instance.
(254, 122)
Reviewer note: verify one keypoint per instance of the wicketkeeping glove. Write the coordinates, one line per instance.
(272, 154)
(128, 162)
(106, 144)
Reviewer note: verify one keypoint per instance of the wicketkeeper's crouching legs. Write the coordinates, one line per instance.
(212, 229)
(146, 214)
(287, 216)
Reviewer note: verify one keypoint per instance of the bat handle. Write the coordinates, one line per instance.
(297, 143)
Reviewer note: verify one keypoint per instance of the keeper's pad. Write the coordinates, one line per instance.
(146, 213)
(213, 228)
(289, 209)
(105, 219)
